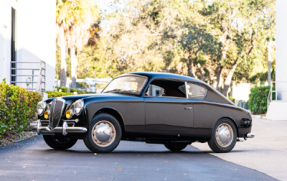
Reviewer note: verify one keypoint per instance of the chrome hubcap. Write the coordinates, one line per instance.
(103, 133)
(224, 135)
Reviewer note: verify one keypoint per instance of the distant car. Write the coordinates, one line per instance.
(88, 89)
(160, 108)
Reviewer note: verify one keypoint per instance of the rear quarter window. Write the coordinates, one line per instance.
(196, 92)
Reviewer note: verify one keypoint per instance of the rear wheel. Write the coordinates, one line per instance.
(59, 142)
(224, 136)
(104, 134)
(175, 146)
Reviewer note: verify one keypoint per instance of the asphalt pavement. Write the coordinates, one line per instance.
(266, 152)
(32, 159)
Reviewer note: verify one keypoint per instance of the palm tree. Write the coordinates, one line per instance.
(85, 14)
(63, 20)
(74, 19)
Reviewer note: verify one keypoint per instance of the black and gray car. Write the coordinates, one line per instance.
(160, 108)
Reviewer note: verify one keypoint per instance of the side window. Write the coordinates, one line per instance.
(154, 91)
(196, 92)
(166, 88)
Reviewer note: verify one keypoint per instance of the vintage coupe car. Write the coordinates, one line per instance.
(158, 108)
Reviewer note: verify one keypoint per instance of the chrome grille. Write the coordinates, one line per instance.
(56, 111)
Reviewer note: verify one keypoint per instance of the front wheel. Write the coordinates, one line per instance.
(59, 142)
(104, 134)
(175, 146)
(223, 137)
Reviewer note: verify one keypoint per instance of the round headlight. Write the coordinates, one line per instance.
(41, 107)
(46, 114)
(78, 106)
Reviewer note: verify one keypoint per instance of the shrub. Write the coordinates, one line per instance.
(71, 90)
(17, 108)
(57, 94)
(231, 99)
(258, 99)
(65, 92)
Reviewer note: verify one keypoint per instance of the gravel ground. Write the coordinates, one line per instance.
(12, 138)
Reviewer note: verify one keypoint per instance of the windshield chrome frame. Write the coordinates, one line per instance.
(131, 75)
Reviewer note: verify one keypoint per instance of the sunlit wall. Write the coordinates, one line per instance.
(35, 37)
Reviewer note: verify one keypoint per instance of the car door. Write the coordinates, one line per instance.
(168, 115)
(204, 112)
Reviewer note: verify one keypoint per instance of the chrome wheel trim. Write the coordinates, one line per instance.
(103, 133)
(224, 135)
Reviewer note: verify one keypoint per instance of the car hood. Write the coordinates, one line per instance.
(93, 97)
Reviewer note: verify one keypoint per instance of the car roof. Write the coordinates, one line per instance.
(152, 75)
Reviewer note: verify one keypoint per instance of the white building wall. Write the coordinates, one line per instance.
(277, 109)
(281, 49)
(5, 38)
(35, 38)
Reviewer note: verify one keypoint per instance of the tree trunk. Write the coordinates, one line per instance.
(202, 72)
(235, 63)
(219, 78)
(225, 41)
(190, 68)
(228, 79)
(73, 67)
(63, 58)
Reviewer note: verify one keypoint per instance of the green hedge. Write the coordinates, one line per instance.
(65, 92)
(231, 99)
(17, 108)
(258, 99)
(57, 94)
(70, 90)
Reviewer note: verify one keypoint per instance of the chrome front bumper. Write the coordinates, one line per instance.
(64, 130)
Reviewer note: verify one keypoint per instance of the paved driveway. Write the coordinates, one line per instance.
(34, 160)
(267, 152)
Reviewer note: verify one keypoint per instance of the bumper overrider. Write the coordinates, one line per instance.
(248, 135)
(64, 130)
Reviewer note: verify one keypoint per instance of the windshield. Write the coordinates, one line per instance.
(126, 85)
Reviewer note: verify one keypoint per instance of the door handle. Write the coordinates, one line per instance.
(188, 108)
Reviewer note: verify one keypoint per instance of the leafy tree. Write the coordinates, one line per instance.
(215, 41)
(240, 24)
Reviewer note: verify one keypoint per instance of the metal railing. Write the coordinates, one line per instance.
(270, 95)
(41, 81)
(269, 98)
